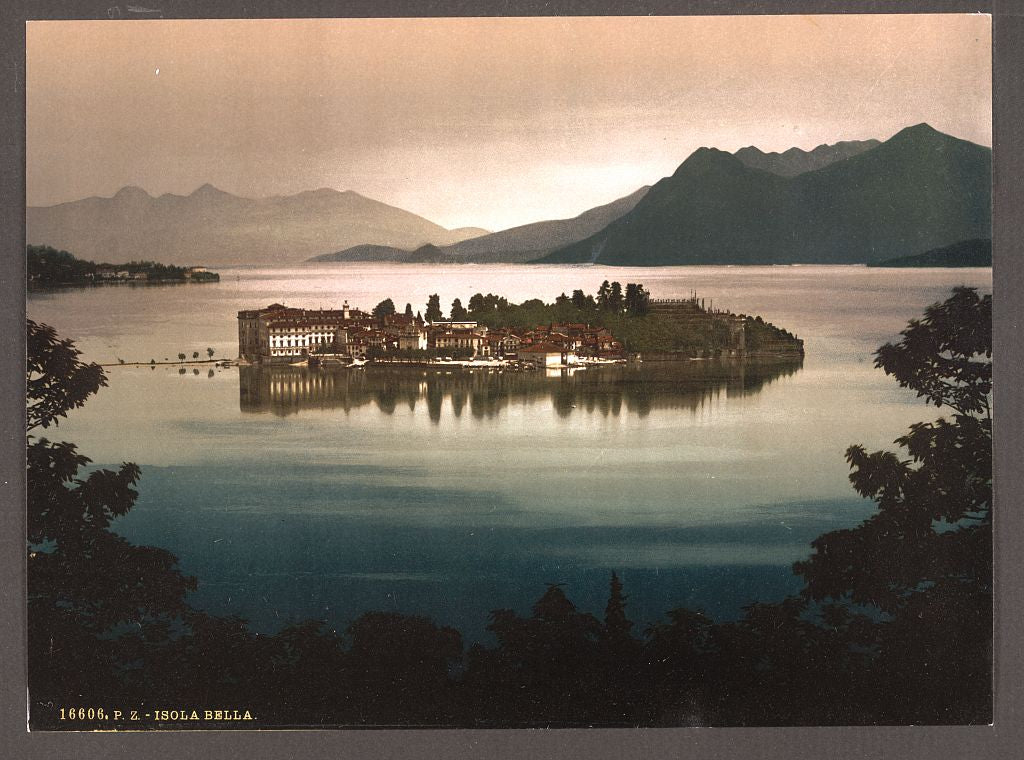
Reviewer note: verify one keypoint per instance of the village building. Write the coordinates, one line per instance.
(503, 343)
(279, 333)
(547, 355)
(461, 341)
(412, 337)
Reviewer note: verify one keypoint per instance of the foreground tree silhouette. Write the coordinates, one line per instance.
(544, 669)
(96, 603)
(923, 561)
(397, 669)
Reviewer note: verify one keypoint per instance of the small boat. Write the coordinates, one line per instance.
(356, 364)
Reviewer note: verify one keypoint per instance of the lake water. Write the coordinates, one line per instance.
(294, 494)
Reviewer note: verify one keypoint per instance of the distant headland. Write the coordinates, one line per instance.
(50, 268)
(969, 253)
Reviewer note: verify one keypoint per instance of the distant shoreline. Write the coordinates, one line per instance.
(36, 287)
(48, 267)
(587, 265)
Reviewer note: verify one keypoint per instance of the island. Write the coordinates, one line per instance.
(615, 325)
(50, 268)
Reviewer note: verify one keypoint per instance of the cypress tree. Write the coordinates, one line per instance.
(616, 624)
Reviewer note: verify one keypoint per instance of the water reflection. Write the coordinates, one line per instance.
(634, 388)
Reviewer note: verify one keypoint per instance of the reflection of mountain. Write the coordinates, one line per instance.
(634, 389)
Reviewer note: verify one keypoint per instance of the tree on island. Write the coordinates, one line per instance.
(459, 312)
(384, 309)
(481, 305)
(582, 301)
(434, 308)
(210, 352)
(181, 357)
(195, 354)
(637, 301)
(615, 299)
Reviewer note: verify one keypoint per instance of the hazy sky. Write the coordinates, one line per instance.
(484, 122)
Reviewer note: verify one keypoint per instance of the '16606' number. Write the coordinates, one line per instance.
(83, 713)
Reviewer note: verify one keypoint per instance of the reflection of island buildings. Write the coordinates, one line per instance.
(607, 390)
(279, 334)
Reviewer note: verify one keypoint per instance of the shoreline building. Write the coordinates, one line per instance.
(278, 333)
(547, 355)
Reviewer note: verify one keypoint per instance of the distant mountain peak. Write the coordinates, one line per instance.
(704, 158)
(924, 128)
(322, 192)
(707, 154)
(922, 132)
(208, 190)
(131, 191)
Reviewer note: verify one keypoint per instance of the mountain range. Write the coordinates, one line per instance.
(850, 202)
(211, 226)
(917, 191)
(517, 244)
(795, 161)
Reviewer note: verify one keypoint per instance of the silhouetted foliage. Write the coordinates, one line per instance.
(96, 602)
(616, 624)
(399, 668)
(924, 559)
(542, 670)
(56, 381)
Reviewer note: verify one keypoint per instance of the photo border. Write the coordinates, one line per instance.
(997, 741)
